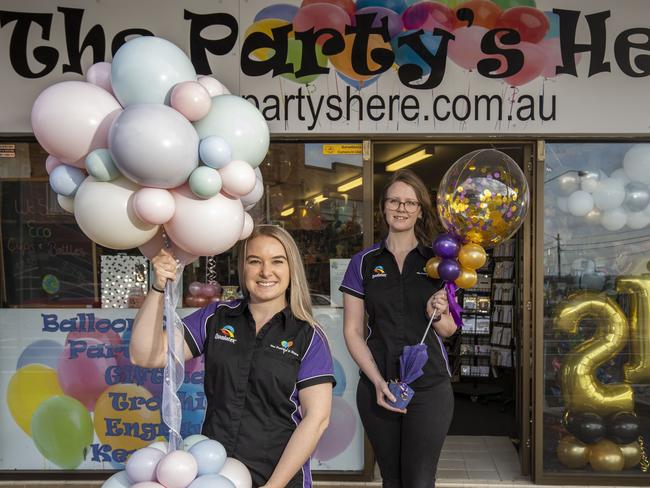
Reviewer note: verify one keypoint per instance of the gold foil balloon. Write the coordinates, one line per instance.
(572, 453)
(472, 256)
(483, 198)
(432, 267)
(638, 369)
(467, 278)
(606, 456)
(631, 454)
(581, 391)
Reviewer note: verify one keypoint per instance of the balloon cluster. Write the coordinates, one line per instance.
(200, 294)
(605, 444)
(615, 201)
(202, 463)
(144, 145)
(539, 33)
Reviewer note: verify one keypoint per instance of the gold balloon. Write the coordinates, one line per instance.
(432, 267)
(604, 455)
(631, 454)
(581, 391)
(572, 453)
(638, 369)
(466, 279)
(472, 256)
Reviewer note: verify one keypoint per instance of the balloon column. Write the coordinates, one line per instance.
(482, 200)
(538, 32)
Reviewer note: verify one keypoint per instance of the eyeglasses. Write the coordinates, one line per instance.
(409, 205)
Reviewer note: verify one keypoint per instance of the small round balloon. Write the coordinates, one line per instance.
(483, 198)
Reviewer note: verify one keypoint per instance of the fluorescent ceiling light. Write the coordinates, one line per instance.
(320, 198)
(287, 211)
(350, 185)
(404, 161)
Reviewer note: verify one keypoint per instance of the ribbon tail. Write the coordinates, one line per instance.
(454, 308)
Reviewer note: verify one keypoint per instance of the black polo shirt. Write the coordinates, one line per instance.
(396, 307)
(252, 381)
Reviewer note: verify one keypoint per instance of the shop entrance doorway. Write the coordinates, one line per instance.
(490, 356)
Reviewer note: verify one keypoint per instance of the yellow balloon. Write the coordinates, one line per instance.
(30, 386)
(265, 26)
(572, 453)
(631, 454)
(466, 279)
(343, 60)
(604, 455)
(432, 267)
(472, 256)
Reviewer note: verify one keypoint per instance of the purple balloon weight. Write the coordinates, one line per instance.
(446, 246)
(449, 269)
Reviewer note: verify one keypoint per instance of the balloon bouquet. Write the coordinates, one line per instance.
(146, 154)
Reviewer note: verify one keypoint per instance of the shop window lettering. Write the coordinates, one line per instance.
(631, 47)
(84, 322)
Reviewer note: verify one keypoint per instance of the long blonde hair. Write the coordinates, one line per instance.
(298, 292)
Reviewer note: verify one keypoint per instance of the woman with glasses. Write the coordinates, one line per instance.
(388, 281)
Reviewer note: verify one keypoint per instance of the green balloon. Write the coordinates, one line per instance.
(294, 56)
(62, 429)
(506, 4)
(205, 182)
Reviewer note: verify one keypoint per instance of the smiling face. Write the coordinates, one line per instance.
(266, 270)
(401, 207)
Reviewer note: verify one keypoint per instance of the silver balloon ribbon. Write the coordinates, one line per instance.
(175, 367)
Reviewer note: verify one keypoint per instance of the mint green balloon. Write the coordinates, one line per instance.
(62, 430)
(506, 4)
(205, 182)
(100, 165)
(294, 56)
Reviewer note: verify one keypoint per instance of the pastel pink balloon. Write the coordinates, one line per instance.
(214, 86)
(147, 484)
(248, 226)
(209, 290)
(205, 227)
(195, 288)
(72, 118)
(177, 469)
(428, 16)
(150, 248)
(237, 472)
(153, 205)
(535, 60)
(551, 48)
(237, 178)
(81, 373)
(50, 163)
(321, 16)
(465, 50)
(100, 74)
(191, 99)
(255, 195)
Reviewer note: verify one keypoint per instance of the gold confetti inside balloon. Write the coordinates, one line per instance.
(483, 198)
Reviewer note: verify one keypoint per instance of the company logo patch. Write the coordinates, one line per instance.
(285, 347)
(226, 333)
(423, 272)
(378, 272)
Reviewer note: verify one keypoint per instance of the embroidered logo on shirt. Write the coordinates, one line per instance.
(423, 272)
(378, 272)
(285, 347)
(226, 333)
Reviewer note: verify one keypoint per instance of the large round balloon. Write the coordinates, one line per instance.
(623, 427)
(104, 212)
(339, 433)
(572, 453)
(72, 118)
(236, 472)
(145, 69)
(483, 198)
(152, 247)
(62, 431)
(141, 465)
(637, 163)
(588, 427)
(605, 456)
(240, 124)
(154, 145)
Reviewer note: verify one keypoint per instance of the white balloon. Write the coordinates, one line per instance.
(66, 203)
(238, 178)
(104, 213)
(614, 219)
(160, 445)
(236, 472)
(580, 203)
(637, 163)
(637, 220)
(214, 86)
(255, 195)
(118, 480)
(620, 174)
(589, 182)
(609, 194)
(189, 441)
(248, 226)
(562, 204)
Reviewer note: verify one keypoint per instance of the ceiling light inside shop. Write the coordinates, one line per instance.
(350, 185)
(404, 161)
(287, 211)
(320, 198)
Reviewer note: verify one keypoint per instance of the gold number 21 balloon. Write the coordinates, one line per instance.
(638, 369)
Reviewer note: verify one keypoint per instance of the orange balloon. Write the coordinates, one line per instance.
(432, 267)
(472, 256)
(127, 417)
(347, 5)
(486, 13)
(467, 278)
(343, 60)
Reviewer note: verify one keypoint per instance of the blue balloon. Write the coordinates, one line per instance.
(339, 376)
(43, 351)
(118, 480)
(396, 5)
(281, 11)
(210, 456)
(212, 481)
(215, 152)
(554, 25)
(65, 179)
(404, 54)
(100, 165)
(193, 403)
(358, 85)
(145, 70)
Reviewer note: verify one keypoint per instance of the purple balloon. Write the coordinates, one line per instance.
(43, 351)
(339, 433)
(393, 19)
(449, 269)
(446, 246)
(141, 466)
(281, 11)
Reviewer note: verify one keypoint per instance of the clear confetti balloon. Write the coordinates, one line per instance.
(483, 198)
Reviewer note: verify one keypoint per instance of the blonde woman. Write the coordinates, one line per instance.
(268, 368)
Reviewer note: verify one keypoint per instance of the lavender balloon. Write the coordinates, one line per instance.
(446, 246)
(210, 456)
(449, 269)
(142, 464)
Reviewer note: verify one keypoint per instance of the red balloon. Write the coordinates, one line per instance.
(486, 13)
(535, 60)
(532, 24)
(319, 16)
(347, 5)
(428, 16)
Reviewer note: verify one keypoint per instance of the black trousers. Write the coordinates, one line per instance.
(407, 447)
